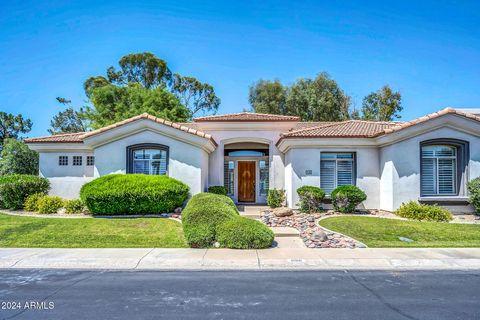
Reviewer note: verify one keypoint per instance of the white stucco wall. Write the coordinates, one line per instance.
(400, 166)
(187, 163)
(49, 168)
(65, 181)
(299, 160)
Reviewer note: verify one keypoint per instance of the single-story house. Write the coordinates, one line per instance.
(429, 159)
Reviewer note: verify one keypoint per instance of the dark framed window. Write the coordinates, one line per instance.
(77, 160)
(63, 160)
(443, 164)
(148, 158)
(90, 160)
(337, 169)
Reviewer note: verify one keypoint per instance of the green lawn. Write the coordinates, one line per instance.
(40, 232)
(384, 233)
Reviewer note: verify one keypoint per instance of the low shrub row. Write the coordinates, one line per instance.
(41, 203)
(15, 188)
(416, 211)
(119, 194)
(210, 218)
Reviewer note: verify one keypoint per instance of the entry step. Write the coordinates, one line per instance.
(285, 232)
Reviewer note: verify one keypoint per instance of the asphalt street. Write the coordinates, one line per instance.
(70, 294)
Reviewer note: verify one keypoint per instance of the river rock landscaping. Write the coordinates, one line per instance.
(311, 233)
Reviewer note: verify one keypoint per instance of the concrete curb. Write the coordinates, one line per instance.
(228, 259)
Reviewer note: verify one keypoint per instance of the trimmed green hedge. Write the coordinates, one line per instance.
(202, 215)
(310, 198)
(218, 190)
(209, 217)
(118, 194)
(15, 188)
(244, 233)
(474, 193)
(422, 212)
(346, 198)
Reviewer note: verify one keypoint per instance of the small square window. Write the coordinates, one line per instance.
(90, 160)
(63, 161)
(77, 160)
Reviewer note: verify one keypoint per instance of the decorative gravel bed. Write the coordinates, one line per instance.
(311, 233)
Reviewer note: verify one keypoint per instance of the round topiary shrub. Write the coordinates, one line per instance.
(203, 214)
(48, 204)
(244, 233)
(218, 190)
(346, 198)
(31, 203)
(310, 198)
(118, 194)
(474, 193)
(15, 188)
(421, 212)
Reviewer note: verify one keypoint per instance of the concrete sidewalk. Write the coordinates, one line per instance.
(225, 259)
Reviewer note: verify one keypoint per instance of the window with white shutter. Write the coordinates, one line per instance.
(336, 169)
(439, 170)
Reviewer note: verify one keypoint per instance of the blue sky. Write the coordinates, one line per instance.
(429, 50)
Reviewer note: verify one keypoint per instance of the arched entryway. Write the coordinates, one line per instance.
(246, 171)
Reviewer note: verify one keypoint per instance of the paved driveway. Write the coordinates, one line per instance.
(242, 295)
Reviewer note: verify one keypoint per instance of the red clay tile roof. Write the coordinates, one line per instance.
(247, 116)
(58, 138)
(344, 129)
(365, 129)
(78, 137)
(434, 115)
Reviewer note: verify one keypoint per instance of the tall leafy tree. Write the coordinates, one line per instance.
(319, 99)
(11, 126)
(153, 73)
(67, 121)
(382, 105)
(267, 96)
(112, 103)
(195, 95)
(18, 158)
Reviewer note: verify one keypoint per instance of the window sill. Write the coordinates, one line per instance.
(444, 199)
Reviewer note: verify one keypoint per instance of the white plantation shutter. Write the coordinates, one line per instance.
(439, 165)
(327, 175)
(446, 176)
(344, 172)
(336, 169)
(429, 181)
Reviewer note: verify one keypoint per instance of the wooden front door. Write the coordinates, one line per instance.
(246, 181)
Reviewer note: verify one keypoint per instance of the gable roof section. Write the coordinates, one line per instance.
(431, 116)
(247, 116)
(78, 137)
